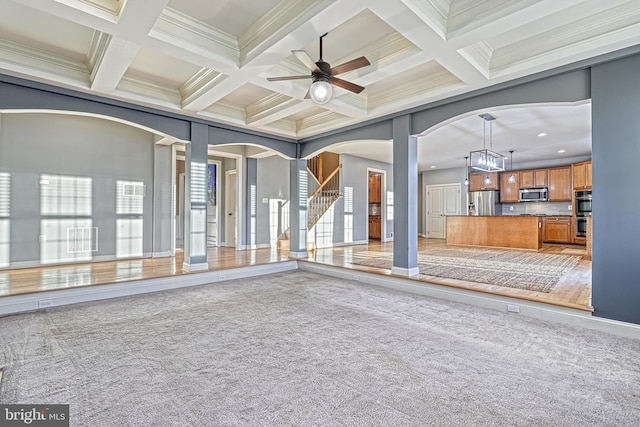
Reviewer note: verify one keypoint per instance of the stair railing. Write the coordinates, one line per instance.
(324, 197)
(314, 165)
(283, 219)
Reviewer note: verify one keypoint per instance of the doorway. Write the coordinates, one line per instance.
(442, 200)
(231, 209)
(376, 184)
(213, 202)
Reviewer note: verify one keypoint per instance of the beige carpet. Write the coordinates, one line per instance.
(301, 349)
(503, 267)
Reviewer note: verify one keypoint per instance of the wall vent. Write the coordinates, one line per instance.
(82, 239)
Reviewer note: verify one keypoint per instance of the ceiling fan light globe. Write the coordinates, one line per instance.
(321, 92)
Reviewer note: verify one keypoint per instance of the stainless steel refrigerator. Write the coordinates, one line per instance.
(484, 203)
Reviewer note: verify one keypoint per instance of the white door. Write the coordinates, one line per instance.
(435, 213)
(442, 200)
(230, 218)
(180, 218)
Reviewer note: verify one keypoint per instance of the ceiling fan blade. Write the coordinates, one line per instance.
(308, 95)
(346, 85)
(354, 64)
(277, 79)
(306, 60)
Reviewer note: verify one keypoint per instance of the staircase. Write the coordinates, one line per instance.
(321, 200)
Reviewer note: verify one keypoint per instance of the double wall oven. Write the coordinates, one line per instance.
(583, 210)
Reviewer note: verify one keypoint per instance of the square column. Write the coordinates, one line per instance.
(195, 200)
(405, 198)
(298, 208)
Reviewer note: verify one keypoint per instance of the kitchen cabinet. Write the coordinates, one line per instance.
(534, 178)
(556, 229)
(374, 188)
(477, 181)
(560, 184)
(581, 175)
(375, 227)
(509, 193)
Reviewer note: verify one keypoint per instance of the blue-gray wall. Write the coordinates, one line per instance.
(354, 175)
(105, 151)
(273, 183)
(616, 206)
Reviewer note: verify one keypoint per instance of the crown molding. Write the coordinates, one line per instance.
(479, 55)
(150, 91)
(434, 13)
(178, 29)
(104, 9)
(43, 63)
(618, 23)
(422, 88)
(267, 106)
(278, 22)
(97, 49)
(200, 83)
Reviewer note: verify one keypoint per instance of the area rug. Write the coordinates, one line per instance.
(510, 268)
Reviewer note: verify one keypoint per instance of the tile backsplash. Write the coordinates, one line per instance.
(537, 208)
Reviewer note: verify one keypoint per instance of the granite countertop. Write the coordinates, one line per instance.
(543, 215)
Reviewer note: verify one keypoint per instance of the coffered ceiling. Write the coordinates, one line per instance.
(212, 58)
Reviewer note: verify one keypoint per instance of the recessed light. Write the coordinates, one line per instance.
(432, 167)
(562, 151)
(542, 134)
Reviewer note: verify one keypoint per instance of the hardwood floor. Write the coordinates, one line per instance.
(573, 290)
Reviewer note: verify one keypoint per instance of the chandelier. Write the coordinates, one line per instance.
(487, 160)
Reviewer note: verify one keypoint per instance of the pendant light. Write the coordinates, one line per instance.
(512, 178)
(466, 172)
(487, 160)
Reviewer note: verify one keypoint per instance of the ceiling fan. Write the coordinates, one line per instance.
(323, 75)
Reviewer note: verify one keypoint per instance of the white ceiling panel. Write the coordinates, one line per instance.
(212, 59)
(231, 16)
(33, 28)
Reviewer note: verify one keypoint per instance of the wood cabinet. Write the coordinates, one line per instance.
(375, 227)
(534, 178)
(374, 188)
(509, 193)
(581, 175)
(477, 181)
(556, 229)
(560, 184)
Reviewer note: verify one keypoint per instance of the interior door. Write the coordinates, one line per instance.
(442, 200)
(230, 219)
(435, 213)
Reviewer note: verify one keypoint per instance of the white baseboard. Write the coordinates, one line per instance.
(42, 300)
(297, 255)
(357, 242)
(202, 266)
(161, 254)
(408, 272)
(554, 313)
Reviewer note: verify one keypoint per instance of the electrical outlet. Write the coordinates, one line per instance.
(513, 308)
(569, 207)
(510, 208)
(220, 277)
(45, 303)
(356, 278)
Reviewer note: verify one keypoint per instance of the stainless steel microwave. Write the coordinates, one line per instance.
(533, 194)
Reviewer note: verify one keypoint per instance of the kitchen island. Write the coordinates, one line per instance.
(521, 232)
